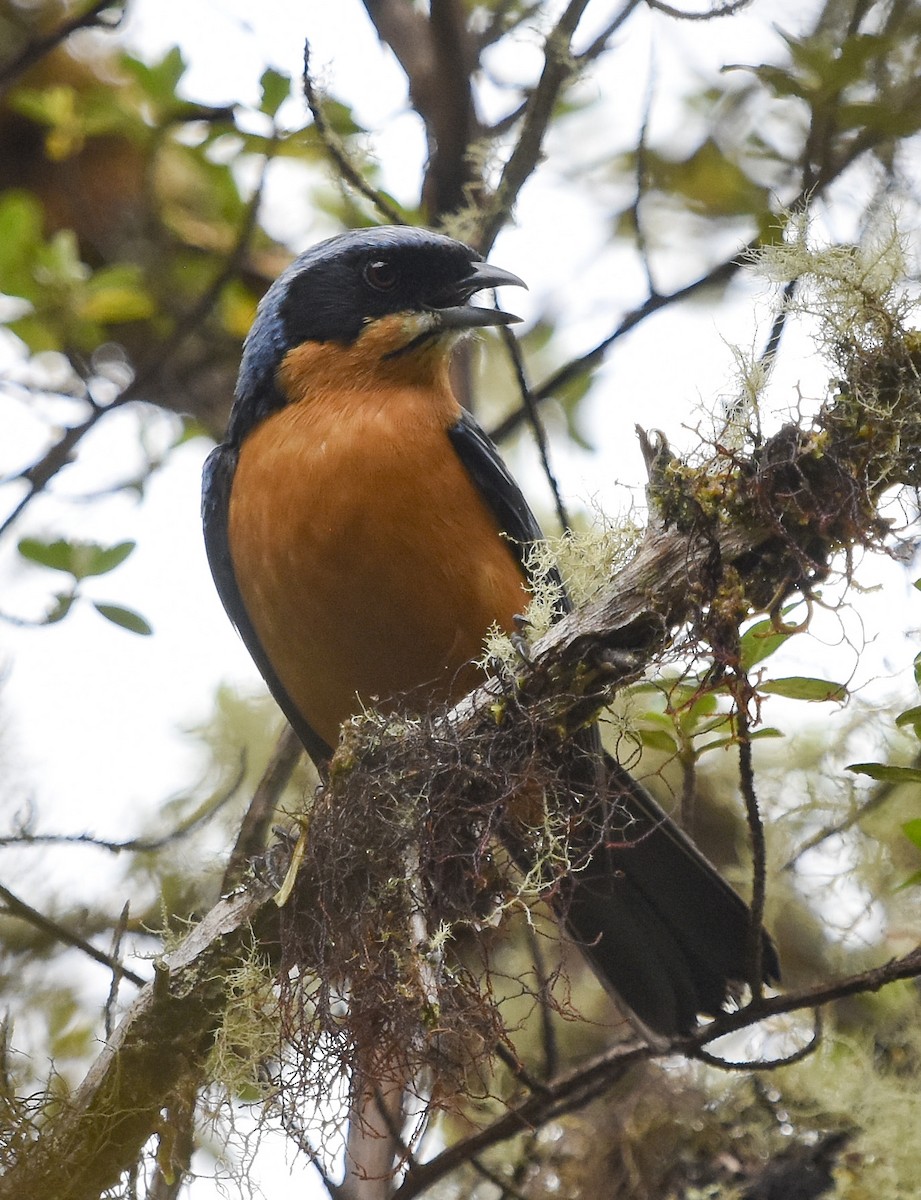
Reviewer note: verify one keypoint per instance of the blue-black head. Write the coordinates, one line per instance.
(332, 291)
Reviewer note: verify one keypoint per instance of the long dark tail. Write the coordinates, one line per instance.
(657, 921)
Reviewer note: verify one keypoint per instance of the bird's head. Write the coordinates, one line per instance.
(394, 289)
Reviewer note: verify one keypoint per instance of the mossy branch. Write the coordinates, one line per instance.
(736, 534)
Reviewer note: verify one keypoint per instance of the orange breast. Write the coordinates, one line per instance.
(369, 565)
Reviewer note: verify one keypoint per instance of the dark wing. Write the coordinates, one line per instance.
(660, 924)
(495, 484)
(217, 481)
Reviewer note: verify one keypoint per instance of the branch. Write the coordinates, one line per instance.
(25, 912)
(35, 50)
(558, 70)
(337, 153)
(99, 1131)
(744, 530)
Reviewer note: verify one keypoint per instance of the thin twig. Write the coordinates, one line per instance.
(254, 828)
(727, 9)
(547, 1028)
(537, 426)
(19, 908)
(33, 51)
(557, 71)
(576, 367)
(877, 798)
(117, 934)
(769, 1064)
(133, 845)
(40, 474)
(756, 833)
(600, 44)
(334, 148)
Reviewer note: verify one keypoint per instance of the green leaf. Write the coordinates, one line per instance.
(80, 559)
(912, 717)
(761, 640)
(115, 304)
(63, 603)
(800, 687)
(126, 618)
(658, 739)
(276, 88)
(886, 773)
(718, 743)
(911, 881)
(912, 830)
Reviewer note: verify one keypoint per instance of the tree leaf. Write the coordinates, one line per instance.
(126, 618)
(80, 559)
(658, 739)
(912, 830)
(886, 772)
(801, 687)
(911, 716)
(761, 640)
(276, 88)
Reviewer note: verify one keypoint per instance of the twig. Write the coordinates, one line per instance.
(254, 828)
(756, 834)
(35, 50)
(547, 1028)
(558, 69)
(19, 908)
(334, 148)
(728, 9)
(537, 426)
(570, 371)
(878, 797)
(769, 1064)
(40, 474)
(117, 934)
(133, 845)
(600, 44)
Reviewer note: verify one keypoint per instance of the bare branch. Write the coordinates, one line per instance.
(348, 172)
(254, 829)
(557, 72)
(19, 908)
(727, 9)
(35, 50)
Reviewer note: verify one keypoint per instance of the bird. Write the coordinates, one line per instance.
(364, 534)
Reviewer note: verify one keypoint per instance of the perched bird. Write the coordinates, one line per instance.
(364, 534)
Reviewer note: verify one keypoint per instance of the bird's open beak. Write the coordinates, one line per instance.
(454, 311)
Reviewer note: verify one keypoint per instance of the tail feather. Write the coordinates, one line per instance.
(659, 924)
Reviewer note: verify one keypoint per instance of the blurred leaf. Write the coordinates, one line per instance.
(117, 294)
(237, 308)
(800, 687)
(63, 603)
(912, 717)
(710, 182)
(160, 79)
(80, 559)
(276, 88)
(885, 772)
(125, 618)
(912, 830)
(658, 739)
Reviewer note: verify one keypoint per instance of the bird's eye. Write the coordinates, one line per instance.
(381, 275)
